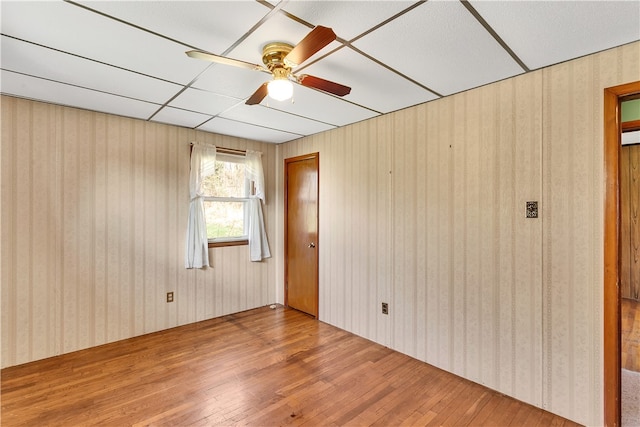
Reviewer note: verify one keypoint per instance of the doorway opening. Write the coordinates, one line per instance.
(612, 330)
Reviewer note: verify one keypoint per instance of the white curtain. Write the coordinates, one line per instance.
(258, 244)
(203, 159)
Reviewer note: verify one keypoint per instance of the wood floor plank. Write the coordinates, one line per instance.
(261, 367)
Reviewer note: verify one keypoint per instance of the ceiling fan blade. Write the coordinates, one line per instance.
(324, 85)
(224, 60)
(258, 95)
(318, 38)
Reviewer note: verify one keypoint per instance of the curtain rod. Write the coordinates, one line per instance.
(227, 150)
(230, 151)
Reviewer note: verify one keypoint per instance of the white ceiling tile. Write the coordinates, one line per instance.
(178, 117)
(348, 19)
(204, 102)
(248, 131)
(213, 26)
(267, 117)
(542, 33)
(70, 28)
(231, 81)
(321, 107)
(62, 94)
(441, 45)
(371, 84)
(54, 65)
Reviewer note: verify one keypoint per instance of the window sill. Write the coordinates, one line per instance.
(228, 243)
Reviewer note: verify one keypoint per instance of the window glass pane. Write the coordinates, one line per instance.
(224, 219)
(228, 181)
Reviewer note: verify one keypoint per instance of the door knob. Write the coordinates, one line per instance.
(312, 245)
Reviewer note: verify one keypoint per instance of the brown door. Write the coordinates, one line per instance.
(301, 233)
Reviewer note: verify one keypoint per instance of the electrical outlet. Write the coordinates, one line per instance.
(169, 296)
(532, 210)
(385, 308)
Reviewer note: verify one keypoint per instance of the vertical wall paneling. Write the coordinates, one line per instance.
(573, 228)
(562, 197)
(405, 257)
(37, 173)
(473, 293)
(344, 220)
(432, 189)
(382, 224)
(420, 126)
(360, 249)
(484, 236)
(476, 287)
(278, 240)
(99, 206)
(23, 253)
(625, 225)
(361, 246)
(446, 225)
(521, 248)
(634, 213)
(94, 210)
(330, 228)
(630, 222)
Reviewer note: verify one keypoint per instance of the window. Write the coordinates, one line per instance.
(226, 193)
(225, 196)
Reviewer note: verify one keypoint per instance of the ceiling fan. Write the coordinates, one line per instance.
(279, 59)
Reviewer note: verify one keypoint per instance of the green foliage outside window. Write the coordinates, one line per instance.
(225, 218)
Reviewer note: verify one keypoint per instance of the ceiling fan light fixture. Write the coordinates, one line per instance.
(280, 89)
(279, 58)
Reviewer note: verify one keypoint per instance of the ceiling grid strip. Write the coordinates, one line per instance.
(128, 58)
(494, 34)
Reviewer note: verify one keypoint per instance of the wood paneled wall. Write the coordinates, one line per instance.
(354, 224)
(422, 208)
(573, 233)
(94, 212)
(630, 224)
(425, 209)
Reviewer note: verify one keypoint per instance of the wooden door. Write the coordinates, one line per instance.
(301, 233)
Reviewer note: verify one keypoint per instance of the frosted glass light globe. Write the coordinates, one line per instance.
(280, 89)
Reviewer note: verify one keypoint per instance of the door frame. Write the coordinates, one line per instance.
(309, 156)
(612, 329)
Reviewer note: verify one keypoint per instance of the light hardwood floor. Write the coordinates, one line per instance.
(260, 367)
(630, 325)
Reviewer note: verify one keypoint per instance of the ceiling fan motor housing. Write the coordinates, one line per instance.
(273, 55)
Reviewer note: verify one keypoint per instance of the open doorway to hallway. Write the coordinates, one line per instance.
(612, 265)
(630, 260)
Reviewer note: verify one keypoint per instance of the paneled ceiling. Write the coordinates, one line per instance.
(128, 57)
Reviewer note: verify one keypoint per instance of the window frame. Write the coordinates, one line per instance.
(216, 242)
